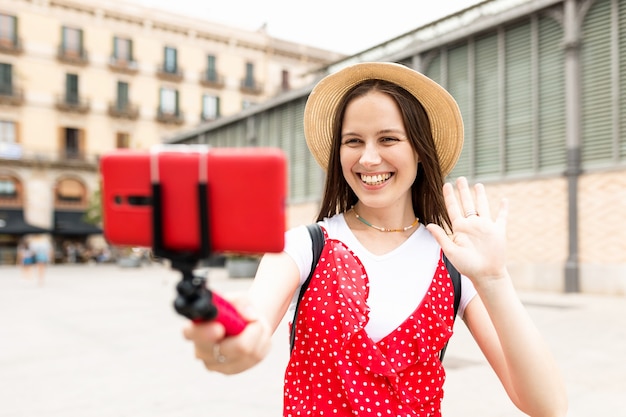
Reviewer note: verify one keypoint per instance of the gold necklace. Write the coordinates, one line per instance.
(383, 229)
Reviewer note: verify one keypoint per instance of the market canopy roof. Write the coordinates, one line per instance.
(12, 223)
(72, 223)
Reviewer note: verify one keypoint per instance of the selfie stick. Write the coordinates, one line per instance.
(194, 300)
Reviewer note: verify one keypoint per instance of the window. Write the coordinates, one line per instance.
(122, 95)
(7, 133)
(6, 79)
(71, 89)
(210, 77)
(8, 189)
(168, 101)
(210, 107)
(72, 143)
(122, 140)
(9, 147)
(249, 80)
(121, 107)
(122, 49)
(285, 81)
(72, 41)
(8, 29)
(170, 64)
(70, 192)
(211, 69)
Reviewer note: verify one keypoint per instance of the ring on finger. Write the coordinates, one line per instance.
(217, 354)
(469, 213)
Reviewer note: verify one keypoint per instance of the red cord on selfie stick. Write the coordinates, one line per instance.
(194, 300)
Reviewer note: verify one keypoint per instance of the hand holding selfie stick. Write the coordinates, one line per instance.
(194, 300)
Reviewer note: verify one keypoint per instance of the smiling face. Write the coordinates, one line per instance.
(377, 159)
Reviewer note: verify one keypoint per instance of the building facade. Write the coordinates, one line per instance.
(542, 88)
(81, 78)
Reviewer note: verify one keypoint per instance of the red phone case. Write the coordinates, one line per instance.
(246, 191)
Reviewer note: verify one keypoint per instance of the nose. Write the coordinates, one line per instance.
(370, 156)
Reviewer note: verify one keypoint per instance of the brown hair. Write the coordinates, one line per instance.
(428, 202)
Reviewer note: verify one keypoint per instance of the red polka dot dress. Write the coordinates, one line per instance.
(335, 369)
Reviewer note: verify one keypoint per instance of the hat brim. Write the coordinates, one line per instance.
(445, 118)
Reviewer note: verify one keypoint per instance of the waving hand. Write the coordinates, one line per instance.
(477, 246)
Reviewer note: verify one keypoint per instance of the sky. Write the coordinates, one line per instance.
(345, 26)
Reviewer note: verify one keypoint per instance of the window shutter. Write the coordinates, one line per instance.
(6, 77)
(622, 79)
(552, 152)
(17, 132)
(597, 132)
(300, 173)
(272, 129)
(122, 94)
(518, 95)
(487, 112)
(264, 139)
(82, 143)
(71, 92)
(434, 70)
(459, 85)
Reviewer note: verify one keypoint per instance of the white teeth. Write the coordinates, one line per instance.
(375, 179)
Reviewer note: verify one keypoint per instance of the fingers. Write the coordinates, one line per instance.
(471, 202)
(206, 338)
(482, 204)
(452, 205)
(503, 212)
(441, 237)
(465, 196)
(232, 354)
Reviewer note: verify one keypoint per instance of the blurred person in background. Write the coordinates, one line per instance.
(25, 257)
(43, 253)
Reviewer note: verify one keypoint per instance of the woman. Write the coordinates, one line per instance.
(25, 257)
(379, 309)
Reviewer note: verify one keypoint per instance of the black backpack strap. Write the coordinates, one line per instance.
(455, 276)
(317, 240)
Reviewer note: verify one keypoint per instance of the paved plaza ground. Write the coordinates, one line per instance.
(104, 341)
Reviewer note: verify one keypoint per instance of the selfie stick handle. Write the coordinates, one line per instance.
(199, 304)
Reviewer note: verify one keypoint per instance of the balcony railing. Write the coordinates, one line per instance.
(20, 155)
(72, 103)
(123, 65)
(72, 56)
(11, 46)
(71, 154)
(249, 86)
(175, 118)
(124, 111)
(211, 79)
(11, 95)
(167, 74)
(208, 118)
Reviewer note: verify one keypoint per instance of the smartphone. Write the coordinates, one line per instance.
(246, 192)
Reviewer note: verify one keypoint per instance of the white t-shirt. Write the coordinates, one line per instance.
(398, 279)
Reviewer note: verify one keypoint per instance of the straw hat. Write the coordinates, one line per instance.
(443, 112)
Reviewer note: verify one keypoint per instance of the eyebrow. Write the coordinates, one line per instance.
(380, 132)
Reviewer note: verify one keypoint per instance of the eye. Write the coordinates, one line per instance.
(389, 140)
(352, 141)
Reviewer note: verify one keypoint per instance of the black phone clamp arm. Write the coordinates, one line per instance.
(194, 300)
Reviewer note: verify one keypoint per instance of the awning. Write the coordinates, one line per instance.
(12, 223)
(71, 223)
